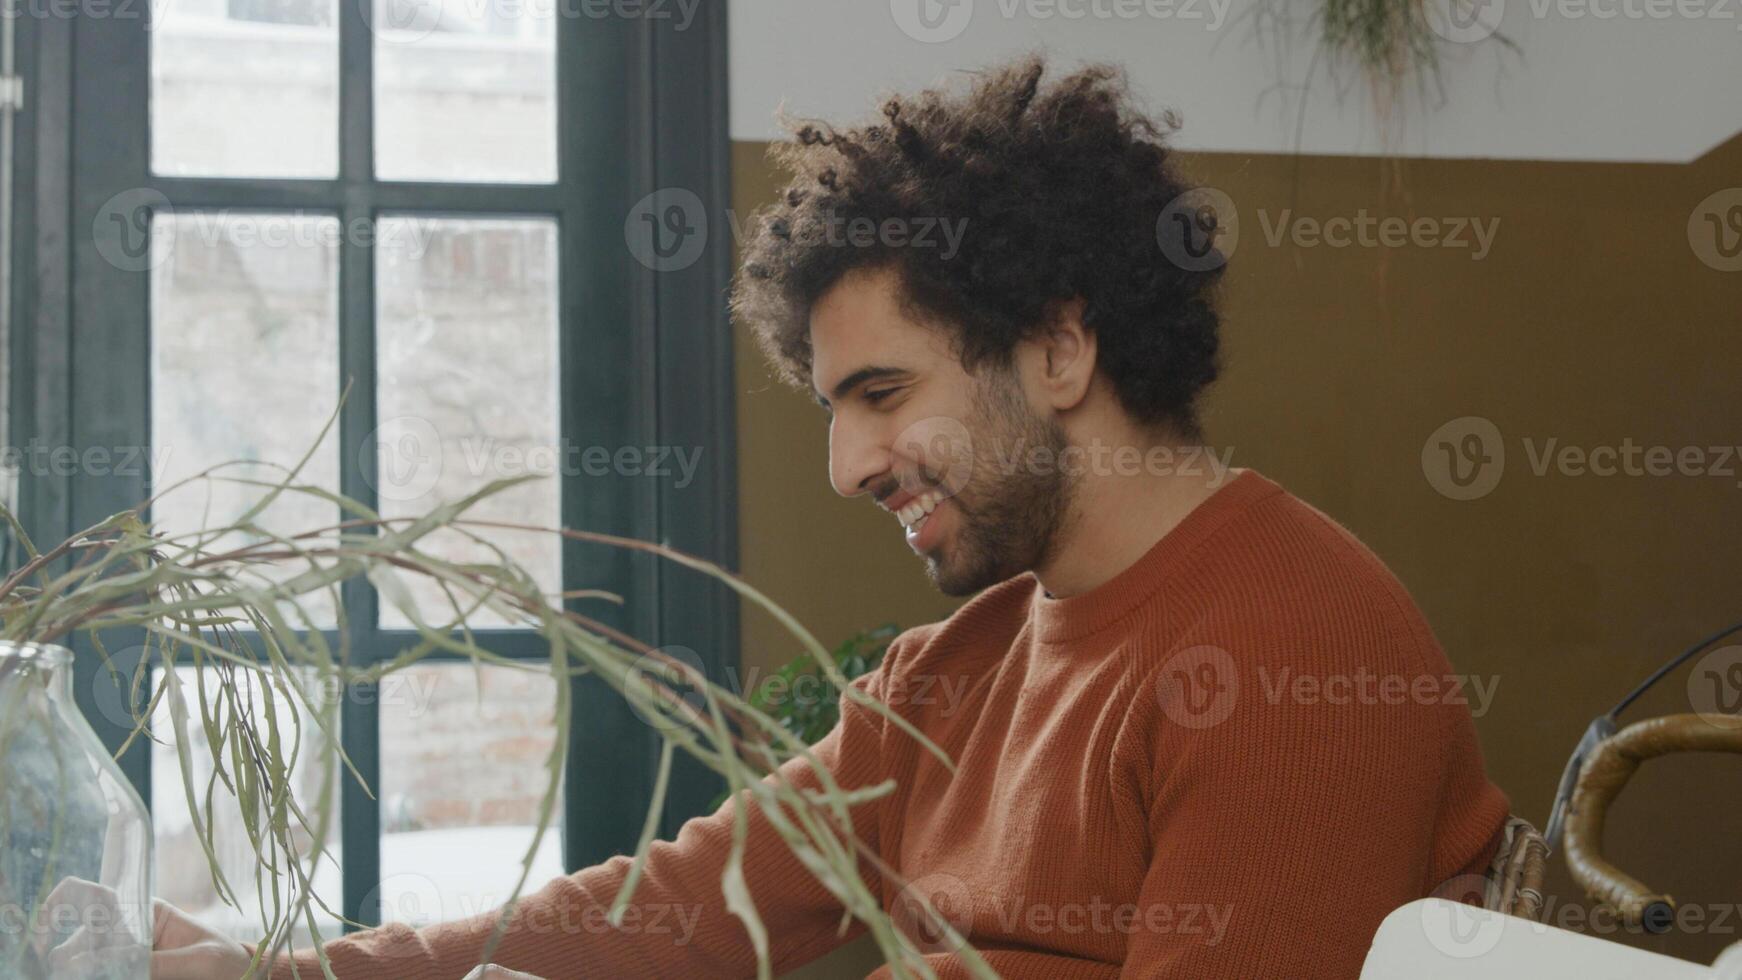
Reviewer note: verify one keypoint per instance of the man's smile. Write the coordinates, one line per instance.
(914, 511)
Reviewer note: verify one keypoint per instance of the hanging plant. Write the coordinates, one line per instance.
(1389, 44)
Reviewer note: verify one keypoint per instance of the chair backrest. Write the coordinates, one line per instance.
(1514, 879)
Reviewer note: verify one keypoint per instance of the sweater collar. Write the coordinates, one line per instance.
(1058, 620)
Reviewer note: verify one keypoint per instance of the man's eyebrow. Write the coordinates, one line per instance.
(856, 379)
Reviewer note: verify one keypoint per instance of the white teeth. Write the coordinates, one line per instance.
(918, 508)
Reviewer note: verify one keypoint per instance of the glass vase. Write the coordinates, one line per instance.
(75, 840)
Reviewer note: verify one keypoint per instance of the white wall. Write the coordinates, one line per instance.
(1633, 80)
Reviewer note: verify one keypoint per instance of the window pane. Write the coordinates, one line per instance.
(245, 88)
(465, 90)
(244, 365)
(466, 350)
(463, 775)
(184, 876)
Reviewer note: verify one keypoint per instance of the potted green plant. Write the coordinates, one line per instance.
(236, 599)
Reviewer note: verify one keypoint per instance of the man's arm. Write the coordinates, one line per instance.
(1283, 835)
(676, 923)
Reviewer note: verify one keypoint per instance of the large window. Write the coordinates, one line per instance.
(270, 200)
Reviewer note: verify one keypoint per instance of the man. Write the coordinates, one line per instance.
(1194, 733)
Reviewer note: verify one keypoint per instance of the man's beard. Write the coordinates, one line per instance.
(1009, 522)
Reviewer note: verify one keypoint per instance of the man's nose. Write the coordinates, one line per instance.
(856, 458)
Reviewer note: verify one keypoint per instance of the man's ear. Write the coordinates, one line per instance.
(1063, 358)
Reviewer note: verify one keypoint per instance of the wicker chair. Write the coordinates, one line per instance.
(1514, 878)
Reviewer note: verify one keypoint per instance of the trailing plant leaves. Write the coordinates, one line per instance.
(237, 614)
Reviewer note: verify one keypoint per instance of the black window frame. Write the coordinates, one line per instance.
(646, 356)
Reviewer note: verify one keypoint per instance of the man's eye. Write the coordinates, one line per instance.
(876, 396)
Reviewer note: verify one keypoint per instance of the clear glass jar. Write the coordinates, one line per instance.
(75, 840)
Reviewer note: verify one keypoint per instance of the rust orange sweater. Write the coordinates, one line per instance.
(1230, 760)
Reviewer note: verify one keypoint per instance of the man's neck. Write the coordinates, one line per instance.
(1115, 516)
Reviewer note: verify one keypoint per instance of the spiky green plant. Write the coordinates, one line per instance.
(244, 611)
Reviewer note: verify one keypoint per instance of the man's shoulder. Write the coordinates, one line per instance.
(1284, 541)
(1305, 580)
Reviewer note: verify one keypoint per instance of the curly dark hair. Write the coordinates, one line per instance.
(1058, 191)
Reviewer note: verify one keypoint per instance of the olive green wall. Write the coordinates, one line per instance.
(1590, 320)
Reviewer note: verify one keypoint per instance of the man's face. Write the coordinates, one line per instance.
(944, 450)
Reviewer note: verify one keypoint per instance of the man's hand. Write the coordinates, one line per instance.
(491, 971)
(79, 931)
(186, 949)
